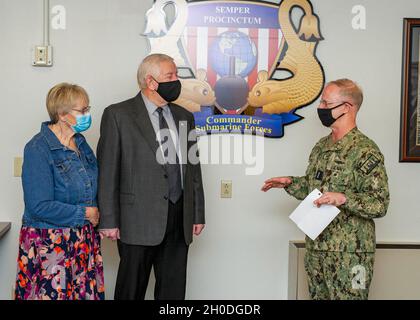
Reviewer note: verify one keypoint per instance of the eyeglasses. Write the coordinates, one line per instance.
(83, 111)
(324, 103)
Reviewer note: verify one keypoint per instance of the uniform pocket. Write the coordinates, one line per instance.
(63, 167)
(340, 182)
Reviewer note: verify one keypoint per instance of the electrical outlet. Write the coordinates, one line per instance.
(42, 56)
(226, 189)
(17, 167)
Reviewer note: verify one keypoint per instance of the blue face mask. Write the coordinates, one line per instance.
(83, 123)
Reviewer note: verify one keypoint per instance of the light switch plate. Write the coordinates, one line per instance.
(17, 167)
(226, 189)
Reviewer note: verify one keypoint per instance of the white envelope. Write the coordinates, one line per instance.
(311, 219)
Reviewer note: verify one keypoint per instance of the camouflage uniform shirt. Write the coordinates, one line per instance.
(354, 166)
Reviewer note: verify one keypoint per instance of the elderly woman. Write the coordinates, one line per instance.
(59, 249)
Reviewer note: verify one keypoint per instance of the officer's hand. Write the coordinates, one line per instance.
(279, 182)
(334, 198)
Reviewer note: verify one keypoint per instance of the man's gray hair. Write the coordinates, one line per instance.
(349, 90)
(151, 66)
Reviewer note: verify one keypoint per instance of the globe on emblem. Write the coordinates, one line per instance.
(233, 56)
(238, 45)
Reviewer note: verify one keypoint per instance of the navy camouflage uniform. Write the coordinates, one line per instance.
(339, 263)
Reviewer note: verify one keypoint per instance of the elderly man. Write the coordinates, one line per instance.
(348, 168)
(150, 195)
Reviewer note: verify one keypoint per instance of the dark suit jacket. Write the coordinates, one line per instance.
(133, 186)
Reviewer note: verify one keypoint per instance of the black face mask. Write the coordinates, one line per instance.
(169, 91)
(325, 115)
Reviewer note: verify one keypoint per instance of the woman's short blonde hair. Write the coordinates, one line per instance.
(62, 98)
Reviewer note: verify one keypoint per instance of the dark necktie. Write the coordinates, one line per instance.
(171, 161)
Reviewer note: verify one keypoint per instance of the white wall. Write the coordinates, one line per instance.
(243, 252)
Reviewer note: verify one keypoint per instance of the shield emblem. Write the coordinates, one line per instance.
(232, 60)
(229, 56)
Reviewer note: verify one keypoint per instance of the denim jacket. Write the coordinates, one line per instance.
(57, 182)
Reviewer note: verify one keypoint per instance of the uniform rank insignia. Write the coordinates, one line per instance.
(370, 164)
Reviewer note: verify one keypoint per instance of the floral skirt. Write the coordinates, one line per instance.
(59, 264)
